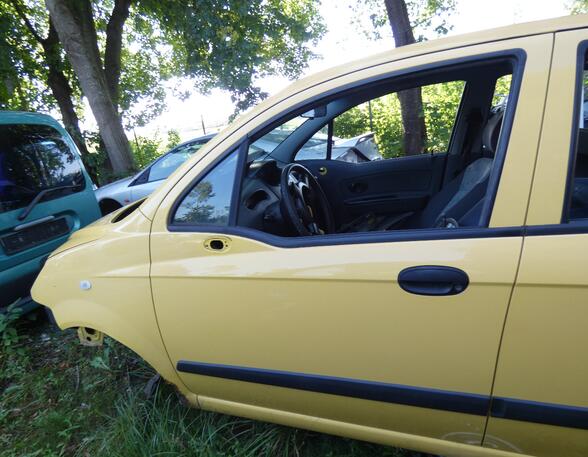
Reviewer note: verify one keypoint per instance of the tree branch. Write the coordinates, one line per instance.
(113, 49)
(26, 20)
(52, 37)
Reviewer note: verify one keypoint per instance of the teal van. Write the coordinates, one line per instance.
(45, 194)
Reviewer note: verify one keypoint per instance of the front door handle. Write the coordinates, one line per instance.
(433, 280)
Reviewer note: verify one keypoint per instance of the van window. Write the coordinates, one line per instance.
(34, 158)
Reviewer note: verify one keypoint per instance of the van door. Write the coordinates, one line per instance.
(45, 194)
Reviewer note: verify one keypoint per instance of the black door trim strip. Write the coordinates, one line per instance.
(468, 403)
(367, 390)
(540, 413)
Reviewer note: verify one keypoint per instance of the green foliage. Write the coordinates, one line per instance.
(173, 139)
(145, 150)
(23, 64)
(163, 427)
(578, 6)
(97, 159)
(9, 337)
(440, 105)
(53, 397)
(231, 44)
(60, 398)
(428, 18)
(22, 73)
(501, 90)
(353, 122)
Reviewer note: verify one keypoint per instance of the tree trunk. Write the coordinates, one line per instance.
(62, 92)
(61, 89)
(74, 22)
(411, 101)
(113, 49)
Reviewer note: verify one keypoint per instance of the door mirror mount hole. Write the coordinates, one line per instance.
(217, 244)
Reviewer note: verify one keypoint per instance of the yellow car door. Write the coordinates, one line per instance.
(540, 404)
(323, 334)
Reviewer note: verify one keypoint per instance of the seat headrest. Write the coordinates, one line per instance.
(491, 133)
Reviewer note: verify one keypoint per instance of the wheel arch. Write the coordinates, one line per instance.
(140, 336)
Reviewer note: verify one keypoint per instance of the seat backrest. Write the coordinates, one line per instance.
(468, 188)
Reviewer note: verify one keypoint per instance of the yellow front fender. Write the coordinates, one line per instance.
(102, 282)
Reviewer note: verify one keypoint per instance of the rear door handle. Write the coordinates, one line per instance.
(433, 280)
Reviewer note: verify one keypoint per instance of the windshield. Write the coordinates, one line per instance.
(165, 166)
(262, 149)
(34, 158)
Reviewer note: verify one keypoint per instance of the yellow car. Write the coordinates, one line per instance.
(436, 300)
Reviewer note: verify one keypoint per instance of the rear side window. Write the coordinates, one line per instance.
(34, 158)
(578, 204)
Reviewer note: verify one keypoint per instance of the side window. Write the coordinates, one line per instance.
(501, 91)
(375, 129)
(579, 187)
(209, 201)
(34, 158)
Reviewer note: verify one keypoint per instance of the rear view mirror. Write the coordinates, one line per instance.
(319, 111)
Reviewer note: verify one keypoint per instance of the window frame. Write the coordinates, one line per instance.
(517, 56)
(574, 136)
(232, 218)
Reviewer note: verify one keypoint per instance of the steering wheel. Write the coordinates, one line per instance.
(304, 204)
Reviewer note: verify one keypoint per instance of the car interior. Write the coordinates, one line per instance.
(435, 189)
(446, 186)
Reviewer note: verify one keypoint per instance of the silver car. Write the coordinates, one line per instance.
(124, 191)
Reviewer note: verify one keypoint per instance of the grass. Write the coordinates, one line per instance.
(58, 398)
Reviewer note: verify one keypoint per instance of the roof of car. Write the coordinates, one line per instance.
(26, 117)
(193, 140)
